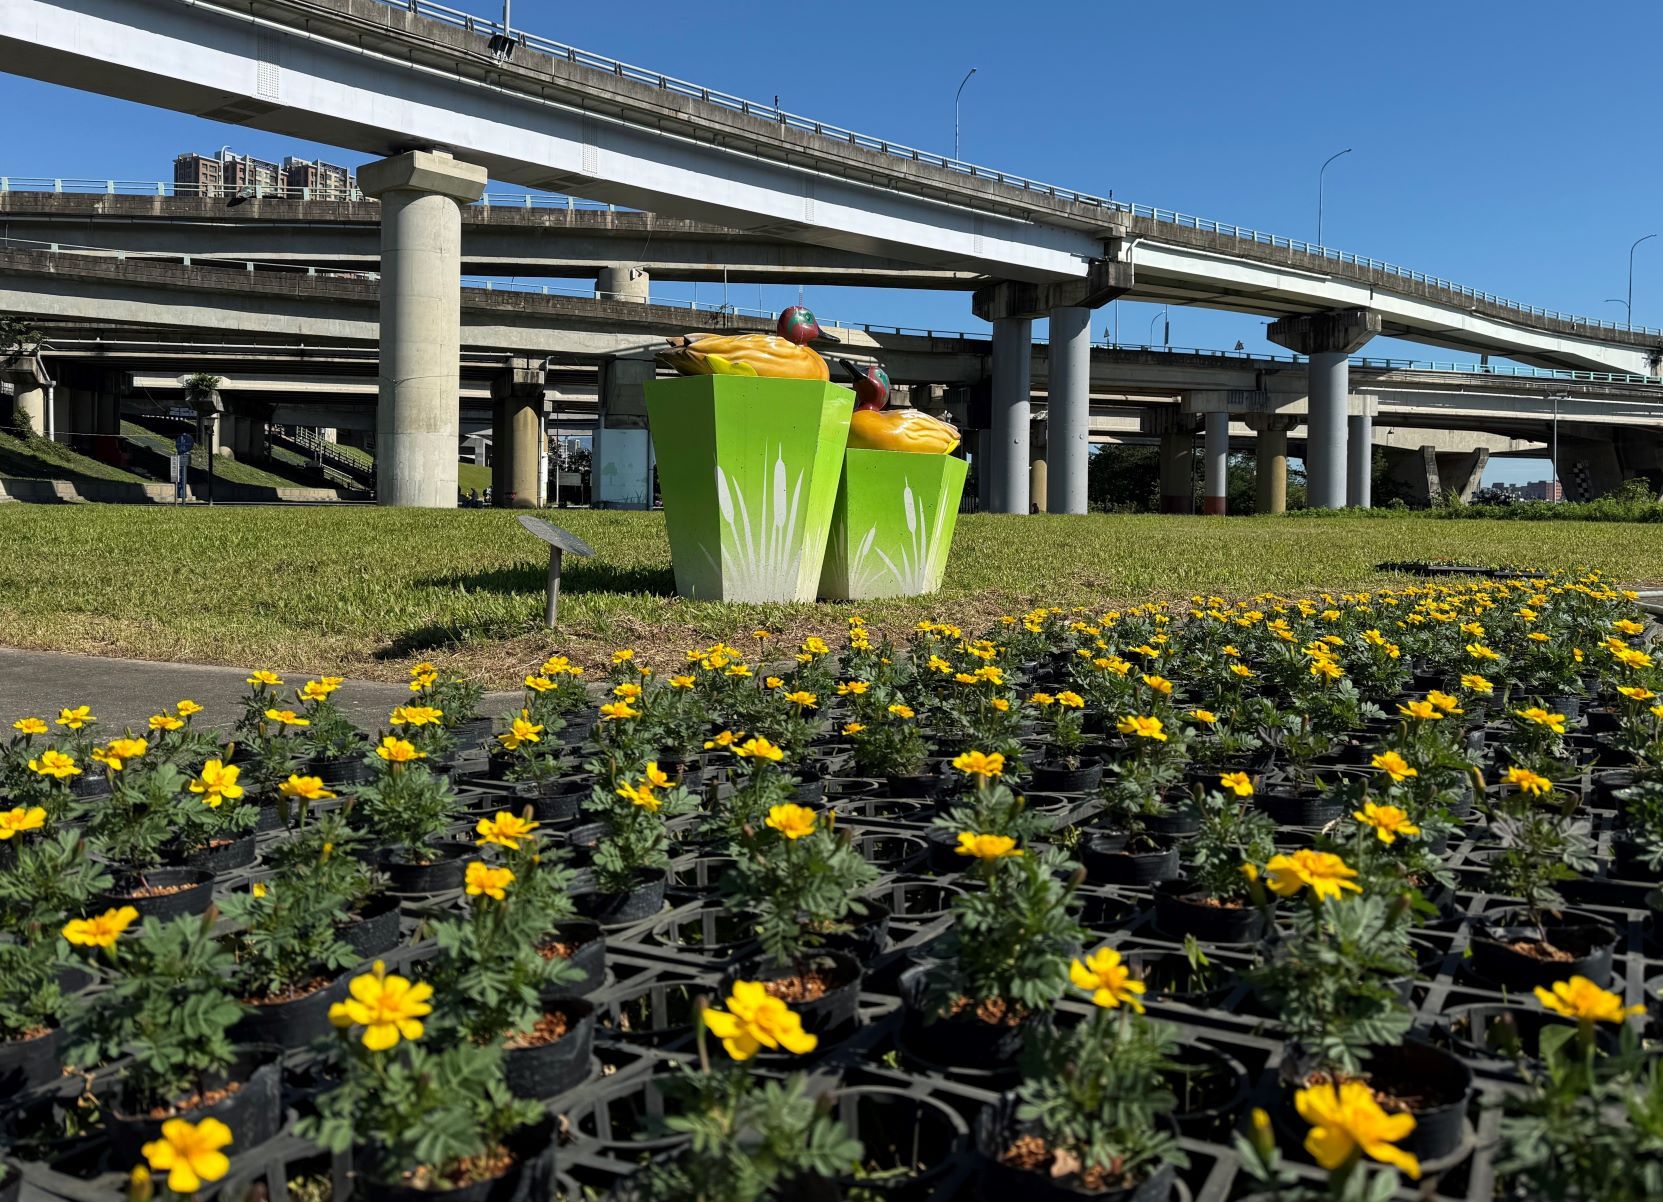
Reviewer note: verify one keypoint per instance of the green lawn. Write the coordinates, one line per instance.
(39, 459)
(473, 475)
(368, 590)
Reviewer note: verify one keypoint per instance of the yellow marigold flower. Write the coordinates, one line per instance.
(101, 930)
(1445, 702)
(190, 1153)
(1142, 728)
(398, 751)
(18, 819)
(507, 829)
(1480, 652)
(725, 739)
(1536, 636)
(738, 670)
(852, 728)
(803, 698)
(1636, 692)
(1070, 700)
(539, 684)
(986, 847)
(656, 776)
(856, 687)
(977, 763)
(1042, 700)
(754, 1020)
(640, 794)
(54, 764)
(682, 682)
(265, 679)
(304, 788)
(965, 678)
(30, 726)
(792, 821)
(76, 718)
(389, 1008)
(316, 690)
(1394, 766)
(187, 708)
(629, 692)
(623, 655)
(1474, 683)
(1205, 717)
(1526, 781)
(1628, 627)
(1629, 657)
(1238, 783)
(1159, 684)
(217, 782)
(1541, 717)
(1109, 981)
(485, 880)
(425, 681)
(1346, 1120)
(619, 711)
(901, 710)
(1000, 704)
(286, 718)
(259, 889)
(937, 664)
(165, 722)
(1421, 711)
(815, 645)
(1581, 999)
(1323, 871)
(416, 715)
(523, 731)
(1242, 670)
(759, 748)
(1388, 821)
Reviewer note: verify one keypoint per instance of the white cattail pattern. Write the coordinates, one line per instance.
(761, 552)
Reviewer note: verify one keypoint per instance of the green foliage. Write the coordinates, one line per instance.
(320, 858)
(51, 880)
(407, 808)
(168, 1007)
(1232, 833)
(133, 824)
(30, 998)
(889, 745)
(1095, 1091)
(636, 841)
(748, 1140)
(797, 889)
(1538, 849)
(286, 937)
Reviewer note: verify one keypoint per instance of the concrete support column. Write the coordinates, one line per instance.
(29, 400)
(1270, 465)
(623, 282)
(984, 469)
(517, 434)
(1359, 480)
(1068, 412)
(621, 459)
(60, 402)
(83, 411)
(418, 418)
(1178, 471)
(1328, 338)
(225, 435)
(107, 415)
(1008, 450)
(1039, 466)
(1215, 462)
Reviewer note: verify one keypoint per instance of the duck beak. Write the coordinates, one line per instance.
(823, 336)
(854, 369)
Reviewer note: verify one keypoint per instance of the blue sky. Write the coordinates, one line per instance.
(1506, 147)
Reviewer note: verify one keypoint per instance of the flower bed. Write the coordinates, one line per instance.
(1342, 897)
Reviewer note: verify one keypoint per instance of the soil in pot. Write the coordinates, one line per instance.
(1181, 909)
(1424, 1080)
(247, 1099)
(522, 1170)
(1514, 954)
(1015, 1164)
(221, 855)
(985, 1039)
(1140, 860)
(823, 988)
(553, 1056)
(582, 944)
(294, 1020)
(160, 892)
(29, 1061)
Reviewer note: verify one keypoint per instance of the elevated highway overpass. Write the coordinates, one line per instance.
(381, 77)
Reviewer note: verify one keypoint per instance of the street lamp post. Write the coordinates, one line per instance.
(1630, 301)
(1617, 300)
(1166, 332)
(956, 97)
(1558, 488)
(1320, 173)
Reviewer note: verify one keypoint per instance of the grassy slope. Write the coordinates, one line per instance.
(43, 460)
(225, 468)
(368, 590)
(472, 475)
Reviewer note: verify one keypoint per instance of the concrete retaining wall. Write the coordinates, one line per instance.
(121, 492)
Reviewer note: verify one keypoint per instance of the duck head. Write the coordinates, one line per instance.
(871, 384)
(798, 324)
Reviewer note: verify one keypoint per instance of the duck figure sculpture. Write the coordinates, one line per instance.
(782, 355)
(874, 428)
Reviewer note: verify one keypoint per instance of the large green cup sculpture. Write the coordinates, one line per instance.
(748, 468)
(893, 524)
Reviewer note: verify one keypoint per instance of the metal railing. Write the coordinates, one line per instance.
(481, 284)
(170, 189)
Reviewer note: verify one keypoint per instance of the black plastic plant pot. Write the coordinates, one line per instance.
(28, 1063)
(548, 1069)
(1058, 777)
(1109, 863)
(554, 804)
(834, 1011)
(444, 873)
(159, 892)
(911, 1142)
(224, 856)
(295, 1023)
(529, 1178)
(1182, 909)
(582, 945)
(1179, 823)
(581, 841)
(374, 929)
(1290, 805)
(338, 769)
(957, 1041)
(892, 853)
(1211, 1088)
(470, 733)
(1430, 1083)
(712, 931)
(1496, 955)
(1492, 1031)
(997, 1128)
(1170, 977)
(912, 786)
(809, 790)
(655, 1012)
(866, 935)
(641, 901)
(253, 1110)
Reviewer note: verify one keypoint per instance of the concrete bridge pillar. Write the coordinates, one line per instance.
(517, 435)
(621, 459)
(1177, 461)
(1039, 466)
(83, 414)
(1328, 339)
(1270, 465)
(1008, 449)
(623, 282)
(418, 417)
(1068, 413)
(223, 435)
(29, 399)
(1215, 464)
(1359, 480)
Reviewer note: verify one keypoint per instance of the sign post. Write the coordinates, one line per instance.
(560, 541)
(179, 465)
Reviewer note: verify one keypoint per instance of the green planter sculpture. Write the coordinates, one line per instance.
(748, 467)
(893, 524)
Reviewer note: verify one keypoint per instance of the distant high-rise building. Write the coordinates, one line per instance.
(326, 181)
(226, 173)
(1542, 490)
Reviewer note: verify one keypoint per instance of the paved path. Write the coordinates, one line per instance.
(125, 692)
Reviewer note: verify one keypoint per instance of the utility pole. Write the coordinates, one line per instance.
(1320, 173)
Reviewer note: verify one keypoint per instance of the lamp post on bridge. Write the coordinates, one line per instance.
(956, 96)
(1166, 330)
(1617, 300)
(1320, 173)
(1630, 301)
